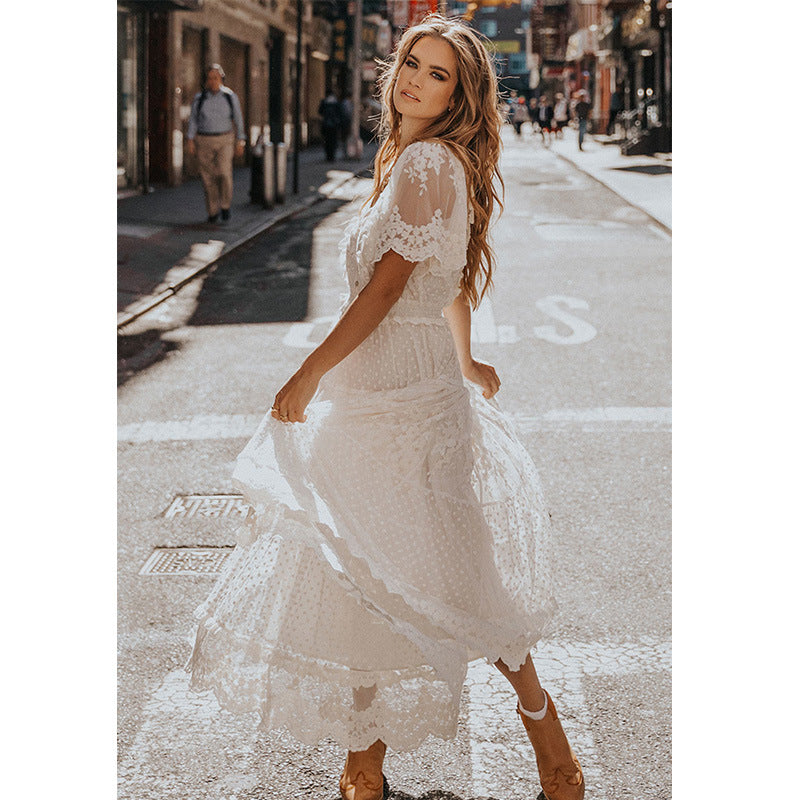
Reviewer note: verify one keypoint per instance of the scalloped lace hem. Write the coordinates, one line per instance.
(313, 701)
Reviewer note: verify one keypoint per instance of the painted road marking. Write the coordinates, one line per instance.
(561, 668)
(580, 330)
(654, 419)
(198, 427)
(305, 334)
(180, 727)
(242, 426)
(485, 329)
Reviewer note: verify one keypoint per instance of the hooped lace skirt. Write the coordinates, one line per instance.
(395, 536)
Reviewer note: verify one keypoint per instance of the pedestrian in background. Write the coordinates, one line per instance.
(372, 571)
(331, 113)
(508, 106)
(560, 115)
(346, 120)
(216, 133)
(614, 109)
(582, 108)
(519, 115)
(544, 117)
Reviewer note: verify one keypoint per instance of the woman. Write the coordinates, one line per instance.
(519, 115)
(560, 115)
(399, 531)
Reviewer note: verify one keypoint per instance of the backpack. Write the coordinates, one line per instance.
(203, 96)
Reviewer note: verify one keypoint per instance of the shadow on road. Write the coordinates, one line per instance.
(647, 169)
(138, 351)
(265, 280)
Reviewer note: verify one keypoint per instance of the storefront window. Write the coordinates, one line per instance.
(192, 79)
(488, 27)
(127, 99)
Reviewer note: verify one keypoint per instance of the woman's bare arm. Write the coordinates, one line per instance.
(361, 318)
(459, 317)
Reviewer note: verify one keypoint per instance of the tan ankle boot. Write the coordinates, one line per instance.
(559, 771)
(364, 779)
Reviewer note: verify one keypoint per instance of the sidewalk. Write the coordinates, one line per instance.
(643, 181)
(163, 239)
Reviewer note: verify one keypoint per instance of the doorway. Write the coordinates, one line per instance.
(235, 60)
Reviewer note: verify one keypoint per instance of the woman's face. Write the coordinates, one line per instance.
(426, 80)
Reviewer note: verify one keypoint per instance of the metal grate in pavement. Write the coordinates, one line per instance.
(186, 561)
(207, 506)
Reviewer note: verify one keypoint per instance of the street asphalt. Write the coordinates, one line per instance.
(578, 328)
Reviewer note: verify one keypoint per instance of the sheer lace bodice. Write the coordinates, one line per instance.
(423, 215)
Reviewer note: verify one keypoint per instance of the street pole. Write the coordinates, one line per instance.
(355, 147)
(144, 123)
(298, 78)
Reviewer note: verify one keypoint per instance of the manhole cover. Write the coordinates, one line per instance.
(207, 506)
(186, 561)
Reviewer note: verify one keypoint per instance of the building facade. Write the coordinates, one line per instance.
(164, 49)
(608, 48)
(636, 46)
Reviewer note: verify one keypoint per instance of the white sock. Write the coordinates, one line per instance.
(535, 715)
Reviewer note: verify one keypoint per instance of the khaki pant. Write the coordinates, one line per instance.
(215, 159)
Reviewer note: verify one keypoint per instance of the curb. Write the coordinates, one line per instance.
(658, 222)
(148, 303)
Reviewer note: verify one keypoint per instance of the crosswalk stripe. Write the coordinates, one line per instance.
(242, 426)
(180, 727)
(497, 737)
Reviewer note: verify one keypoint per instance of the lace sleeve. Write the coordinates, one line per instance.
(426, 216)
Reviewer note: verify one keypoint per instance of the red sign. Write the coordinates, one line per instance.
(552, 72)
(418, 9)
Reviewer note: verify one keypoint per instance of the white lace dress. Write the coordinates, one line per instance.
(397, 534)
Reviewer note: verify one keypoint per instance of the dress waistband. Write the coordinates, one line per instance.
(416, 320)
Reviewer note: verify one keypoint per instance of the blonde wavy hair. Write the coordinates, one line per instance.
(471, 129)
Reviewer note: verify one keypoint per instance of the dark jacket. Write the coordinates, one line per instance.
(544, 115)
(330, 112)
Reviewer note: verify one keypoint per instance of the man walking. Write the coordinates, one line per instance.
(346, 121)
(582, 109)
(215, 113)
(330, 111)
(544, 116)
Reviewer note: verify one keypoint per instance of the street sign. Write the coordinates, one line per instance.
(507, 45)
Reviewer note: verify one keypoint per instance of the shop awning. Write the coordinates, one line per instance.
(582, 43)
